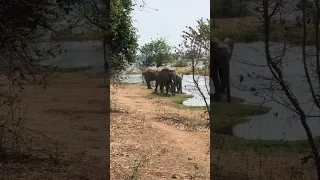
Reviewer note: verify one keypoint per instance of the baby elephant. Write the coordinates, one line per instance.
(178, 83)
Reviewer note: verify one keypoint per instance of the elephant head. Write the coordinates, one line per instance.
(166, 77)
(150, 74)
(179, 83)
(220, 55)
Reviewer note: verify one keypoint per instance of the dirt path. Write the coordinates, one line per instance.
(188, 151)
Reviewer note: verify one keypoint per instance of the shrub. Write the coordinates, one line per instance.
(180, 63)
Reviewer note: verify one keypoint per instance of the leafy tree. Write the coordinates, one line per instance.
(157, 52)
(115, 22)
(195, 46)
(124, 36)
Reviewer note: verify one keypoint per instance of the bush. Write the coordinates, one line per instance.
(180, 63)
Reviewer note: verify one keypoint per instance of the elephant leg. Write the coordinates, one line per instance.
(156, 88)
(148, 84)
(167, 88)
(216, 83)
(161, 88)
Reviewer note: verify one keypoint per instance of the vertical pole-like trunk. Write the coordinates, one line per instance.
(317, 39)
(107, 41)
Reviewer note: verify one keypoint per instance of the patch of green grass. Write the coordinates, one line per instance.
(267, 147)
(226, 115)
(178, 99)
(250, 29)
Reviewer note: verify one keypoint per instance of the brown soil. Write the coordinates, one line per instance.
(67, 124)
(137, 134)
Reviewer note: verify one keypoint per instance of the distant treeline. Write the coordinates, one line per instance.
(230, 9)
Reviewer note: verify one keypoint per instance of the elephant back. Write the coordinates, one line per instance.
(178, 77)
(219, 48)
(166, 74)
(152, 69)
(150, 73)
(167, 70)
(229, 42)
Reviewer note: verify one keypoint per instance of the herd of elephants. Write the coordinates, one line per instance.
(220, 55)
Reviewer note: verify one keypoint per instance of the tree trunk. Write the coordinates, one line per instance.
(107, 41)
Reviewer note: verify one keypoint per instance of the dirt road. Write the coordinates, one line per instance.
(143, 146)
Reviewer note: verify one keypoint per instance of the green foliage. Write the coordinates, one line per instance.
(180, 63)
(230, 9)
(21, 33)
(157, 52)
(124, 36)
(115, 22)
(196, 43)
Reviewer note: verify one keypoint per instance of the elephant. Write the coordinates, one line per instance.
(179, 83)
(220, 55)
(150, 74)
(166, 77)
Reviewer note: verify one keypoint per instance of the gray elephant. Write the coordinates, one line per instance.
(220, 55)
(166, 78)
(179, 83)
(150, 74)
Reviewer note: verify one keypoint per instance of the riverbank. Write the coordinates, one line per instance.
(184, 133)
(250, 29)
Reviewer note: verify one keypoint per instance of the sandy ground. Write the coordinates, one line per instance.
(137, 136)
(66, 128)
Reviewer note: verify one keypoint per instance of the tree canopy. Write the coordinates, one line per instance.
(157, 52)
(124, 37)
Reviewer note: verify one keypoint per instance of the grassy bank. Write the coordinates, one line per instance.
(224, 116)
(178, 101)
(250, 29)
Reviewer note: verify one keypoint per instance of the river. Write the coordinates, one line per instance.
(280, 123)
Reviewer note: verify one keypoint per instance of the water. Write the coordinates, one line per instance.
(188, 87)
(79, 54)
(286, 124)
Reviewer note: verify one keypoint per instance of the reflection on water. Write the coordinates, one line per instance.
(280, 123)
(79, 54)
(188, 87)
